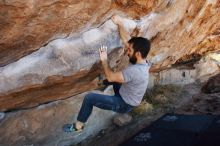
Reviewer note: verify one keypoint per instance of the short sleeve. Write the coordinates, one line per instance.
(128, 74)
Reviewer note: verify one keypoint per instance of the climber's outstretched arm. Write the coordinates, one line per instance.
(124, 34)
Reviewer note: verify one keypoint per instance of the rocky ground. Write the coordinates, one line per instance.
(186, 99)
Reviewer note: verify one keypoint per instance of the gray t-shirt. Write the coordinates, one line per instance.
(136, 80)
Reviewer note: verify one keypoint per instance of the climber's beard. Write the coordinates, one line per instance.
(132, 59)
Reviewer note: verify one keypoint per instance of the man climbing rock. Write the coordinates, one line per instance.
(129, 84)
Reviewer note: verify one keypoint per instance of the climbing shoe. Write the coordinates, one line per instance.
(71, 128)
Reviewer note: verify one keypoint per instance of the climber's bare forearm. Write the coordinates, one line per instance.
(125, 36)
(110, 75)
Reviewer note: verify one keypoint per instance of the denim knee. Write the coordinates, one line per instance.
(88, 97)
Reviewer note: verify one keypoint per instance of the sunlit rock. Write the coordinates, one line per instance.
(65, 43)
(42, 125)
(49, 52)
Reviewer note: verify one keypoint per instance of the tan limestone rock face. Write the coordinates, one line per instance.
(48, 52)
(63, 68)
(136, 8)
(61, 33)
(48, 49)
(184, 30)
(27, 25)
(42, 126)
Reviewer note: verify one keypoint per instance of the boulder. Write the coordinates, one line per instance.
(42, 125)
(212, 85)
(49, 52)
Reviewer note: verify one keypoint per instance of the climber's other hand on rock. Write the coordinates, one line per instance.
(116, 19)
(103, 53)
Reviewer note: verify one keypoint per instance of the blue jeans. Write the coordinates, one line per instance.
(106, 102)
